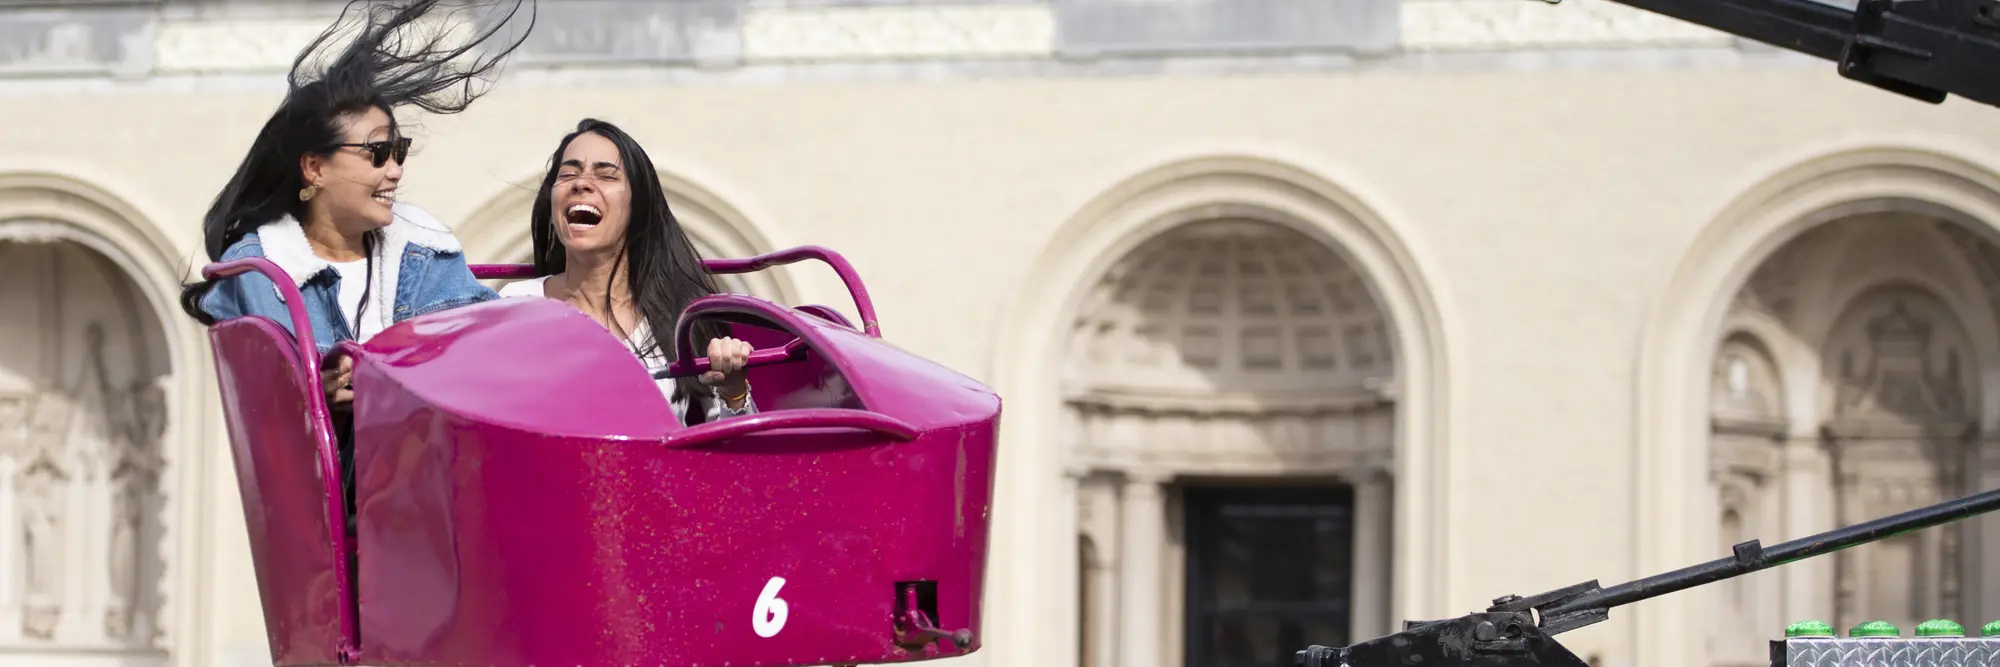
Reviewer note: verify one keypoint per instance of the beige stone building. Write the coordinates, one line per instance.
(1310, 317)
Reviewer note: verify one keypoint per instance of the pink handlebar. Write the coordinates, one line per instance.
(792, 351)
(873, 422)
(863, 305)
(687, 362)
(294, 305)
(503, 271)
(808, 337)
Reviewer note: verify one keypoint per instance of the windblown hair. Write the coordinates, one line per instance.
(383, 56)
(663, 269)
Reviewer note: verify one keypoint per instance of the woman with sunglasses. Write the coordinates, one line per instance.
(317, 194)
(607, 243)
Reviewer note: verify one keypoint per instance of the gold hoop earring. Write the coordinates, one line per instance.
(308, 192)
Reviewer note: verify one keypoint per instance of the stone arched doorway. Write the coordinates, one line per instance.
(1230, 408)
(84, 382)
(1856, 379)
(1681, 370)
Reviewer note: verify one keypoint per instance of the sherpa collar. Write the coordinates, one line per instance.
(285, 244)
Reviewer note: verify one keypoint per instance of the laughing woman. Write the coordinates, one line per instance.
(607, 243)
(316, 195)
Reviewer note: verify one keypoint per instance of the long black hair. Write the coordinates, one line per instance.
(365, 60)
(662, 267)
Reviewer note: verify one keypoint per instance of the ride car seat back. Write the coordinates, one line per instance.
(274, 443)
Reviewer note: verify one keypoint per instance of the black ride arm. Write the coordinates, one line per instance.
(1520, 631)
(1925, 49)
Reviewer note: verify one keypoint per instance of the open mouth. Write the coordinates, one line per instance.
(385, 197)
(583, 214)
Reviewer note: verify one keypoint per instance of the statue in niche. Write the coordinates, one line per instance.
(88, 432)
(39, 489)
(16, 413)
(114, 432)
(95, 427)
(124, 559)
(38, 500)
(134, 478)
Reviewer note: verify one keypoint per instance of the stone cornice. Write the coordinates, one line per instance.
(899, 33)
(1894, 429)
(141, 39)
(1163, 402)
(1243, 444)
(1442, 25)
(1748, 425)
(1757, 456)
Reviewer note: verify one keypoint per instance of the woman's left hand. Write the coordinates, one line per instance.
(726, 357)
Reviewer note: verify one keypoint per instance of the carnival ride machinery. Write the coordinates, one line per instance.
(525, 496)
(1923, 49)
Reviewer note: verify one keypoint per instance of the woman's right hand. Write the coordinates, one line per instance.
(337, 379)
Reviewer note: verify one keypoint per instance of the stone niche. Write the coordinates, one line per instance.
(1853, 381)
(83, 399)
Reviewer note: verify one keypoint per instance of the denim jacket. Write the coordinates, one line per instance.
(430, 275)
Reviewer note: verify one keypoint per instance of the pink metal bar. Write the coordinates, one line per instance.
(503, 271)
(792, 351)
(848, 276)
(686, 363)
(294, 306)
(713, 432)
(863, 305)
(322, 430)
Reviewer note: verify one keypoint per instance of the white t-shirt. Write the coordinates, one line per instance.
(354, 280)
(656, 359)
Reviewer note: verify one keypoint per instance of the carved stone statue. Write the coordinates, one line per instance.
(39, 501)
(39, 487)
(124, 561)
(96, 442)
(134, 483)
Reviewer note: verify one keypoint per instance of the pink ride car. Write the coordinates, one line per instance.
(525, 495)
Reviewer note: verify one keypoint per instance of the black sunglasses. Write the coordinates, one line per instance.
(381, 151)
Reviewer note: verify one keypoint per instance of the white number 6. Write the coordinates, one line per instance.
(769, 616)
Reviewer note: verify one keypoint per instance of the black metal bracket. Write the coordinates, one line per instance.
(1547, 606)
(1867, 40)
(1922, 49)
(1491, 639)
